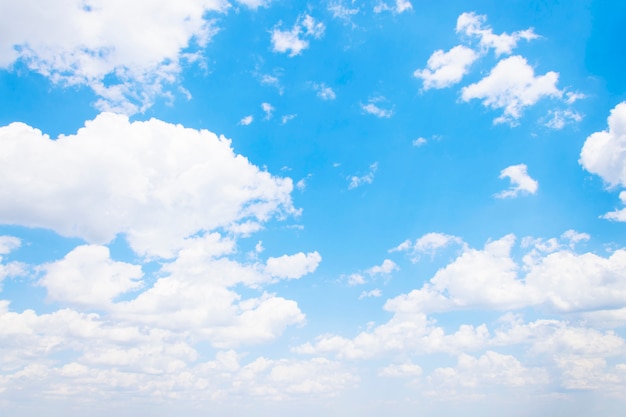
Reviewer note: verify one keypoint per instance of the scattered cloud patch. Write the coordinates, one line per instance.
(372, 293)
(512, 85)
(618, 215)
(399, 6)
(372, 107)
(473, 25)
(557, 119)
(268, 109)
(356, 181)
(128, 55)
(339, 11)
(245, 121)
(323, 91)
(296, 40)
(445, 69)
(521, 182)
(387, 267)
(287, 117)
(428, 244)
(255, 4)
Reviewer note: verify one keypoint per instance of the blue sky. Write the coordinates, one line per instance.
(265, 207)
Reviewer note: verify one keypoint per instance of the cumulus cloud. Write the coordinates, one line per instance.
(356, 181)
(429, 244)
(557, 119)
(268, 109)
(512, 85)
(444, 69)
(128, 54)
(372, 293)
(293, 266)
(473, 25)
(87, 277)
(297, 38)
(521, 182)
(110, 178)
(10, 269)
(387, 267)
(604, 152)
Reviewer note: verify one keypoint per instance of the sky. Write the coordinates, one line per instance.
(271, 207)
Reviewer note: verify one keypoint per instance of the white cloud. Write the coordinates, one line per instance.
(355, 279)
(472, 25)
(293, 41)
(387, 267)
(429, 243)
(10, 269)
(491, 369)
(559, 118)
(400, 6)
(356, 181)
(372, 293)
(618, 215)
(521, 182)
(372, 108)
(512, 85)
(111, 178)
(9, 244)
(286, 118)
(419, 142)
(245, 121)
(268, 109)
(324, 92)
(604, 152)
(293, 266)
(87, 277)
(401, 370)
(140, 46)
(444, 69)
(340, 11)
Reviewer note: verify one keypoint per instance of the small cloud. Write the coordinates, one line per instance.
(387, 267)
(559, 118)
(258, 248)
(268, 109)
(293, 41)
(617, 215)
(571, 97)
(372, 108)
(521, 182)
(287, 118)
(324, 92)
(246, 120)
(373, 293)
(356, 279)
(399, 6)
(445, 69)
(472, 25)
(419, 141)
(342, 12)
(356, 181)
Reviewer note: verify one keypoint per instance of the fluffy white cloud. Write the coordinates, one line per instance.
(356, 181)
(512, 85)
(444, 69)
(372, 293)
(293, 266)
(295, 40)
(155, 182)
(87, 277)
(140, 45)
(604, 152)
(521, 182)
(561, 281)
(373, 108)
(473, 25)
(268, 109)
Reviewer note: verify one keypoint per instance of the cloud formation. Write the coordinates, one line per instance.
(521, 182)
